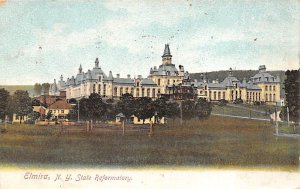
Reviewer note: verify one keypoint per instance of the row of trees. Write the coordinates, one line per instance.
(37, 88)
(19, 103)
(94, 108)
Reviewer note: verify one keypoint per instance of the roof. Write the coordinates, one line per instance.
(60, 104)
(167, 51)
(125, 81)
(146, 81)
(264, 77)
(120, 115)
(168, 69)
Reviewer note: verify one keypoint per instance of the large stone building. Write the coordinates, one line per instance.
(262, 87)
(169, 81)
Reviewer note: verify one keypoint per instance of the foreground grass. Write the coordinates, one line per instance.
(214, 142)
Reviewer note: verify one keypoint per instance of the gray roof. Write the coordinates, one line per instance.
(168, 69)
(146, 81)
(264, 77)
(167, 51)
(230, 82)
(124, 81)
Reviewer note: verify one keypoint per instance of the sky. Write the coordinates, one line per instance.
(42, 39)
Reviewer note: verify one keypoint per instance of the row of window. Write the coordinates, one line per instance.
(270, 97)
(57, 111)
(270, 88)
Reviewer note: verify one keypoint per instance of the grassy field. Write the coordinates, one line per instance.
(214, 142)
(228, 110)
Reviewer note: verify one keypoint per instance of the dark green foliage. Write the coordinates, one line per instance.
(203, 108)
(35, 102)
(21, 103)
(144, 108)
(160, 106)
(292, 91)
(73, 101)
(32, 117)
(49, 115)
(92, 108)
(46, 87)
(188, 109)
(222, 102)
(4, 100)
(238, 101)
(172, 110)
(126, 105)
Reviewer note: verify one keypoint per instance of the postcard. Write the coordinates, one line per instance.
(149, 94)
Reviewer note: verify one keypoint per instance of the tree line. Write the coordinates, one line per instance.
(96, 109)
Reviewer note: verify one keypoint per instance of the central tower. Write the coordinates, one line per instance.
(167, 57)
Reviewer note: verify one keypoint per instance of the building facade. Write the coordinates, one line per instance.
(168, 80)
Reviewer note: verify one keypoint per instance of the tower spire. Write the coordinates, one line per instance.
(97, 63)
(80, 69)
(167, 57)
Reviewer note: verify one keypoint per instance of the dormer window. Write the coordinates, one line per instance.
(137, 84)
(100, 78)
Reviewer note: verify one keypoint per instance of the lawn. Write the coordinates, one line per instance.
(218, 141)
(235, 111)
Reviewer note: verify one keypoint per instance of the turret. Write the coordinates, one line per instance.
(230, 72)
(97, 63)
(80, 69)
(167, 57)
(262, 68)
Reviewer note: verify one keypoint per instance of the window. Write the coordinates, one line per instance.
(219, 95)
(94, 88)
(266, 88)
(158, 82)
(153, 93)
(137, 92)
(168, 82)
(143, 92)
(274, 97)
(137, 84)
(126, 90)
(62, 111)
(215, 95)
(131, 91)
(223, 95)
(266, 97)
(121, 91)
(115, 91)
(54, 111)
(104, 89)
(148, 92)
(270, 88)
(99, 87)
(270, 98)
(274, 89)
(100, 78)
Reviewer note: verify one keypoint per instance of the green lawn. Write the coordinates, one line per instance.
(229, 110)
(217, 141)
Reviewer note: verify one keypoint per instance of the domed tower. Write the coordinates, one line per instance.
(167, 57)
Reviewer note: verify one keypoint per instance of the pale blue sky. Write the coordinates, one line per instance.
(40, 40)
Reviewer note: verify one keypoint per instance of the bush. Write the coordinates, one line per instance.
(257, 103)
(222, 102)
(238, 101)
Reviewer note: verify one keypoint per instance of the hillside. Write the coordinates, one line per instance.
(12, 88)
(240, 75)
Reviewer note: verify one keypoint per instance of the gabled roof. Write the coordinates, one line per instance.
(60, 104)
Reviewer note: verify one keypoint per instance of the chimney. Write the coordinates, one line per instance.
(128, 76)
(195, 80)
(139, 76)
(118, 75)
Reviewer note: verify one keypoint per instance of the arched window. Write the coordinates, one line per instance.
(153, 93)
(266, 97)
(126, 90)
(99, 89)
(270, 98)
(266, 88)
(94, 88)
(148, 92)
(158, 82)
(143, 92)
(131, 91)
(121, 91)
(219, 95)
(274, 88)
(137, 92)
(215, 95)
(274, 98)
(223, 95)
(270, 88)
(115, 91)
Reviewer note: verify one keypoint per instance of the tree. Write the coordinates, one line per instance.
(22, 103)
(292, 91)
(188, 109)
(172, 110)
(46, 87)
(160, 106)
(144, 108)
(33, 116)
(35, 102)
(4, 100)
(203, 108)
(37, 88)
(92, 108)
(49, 115)
(126, 105)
